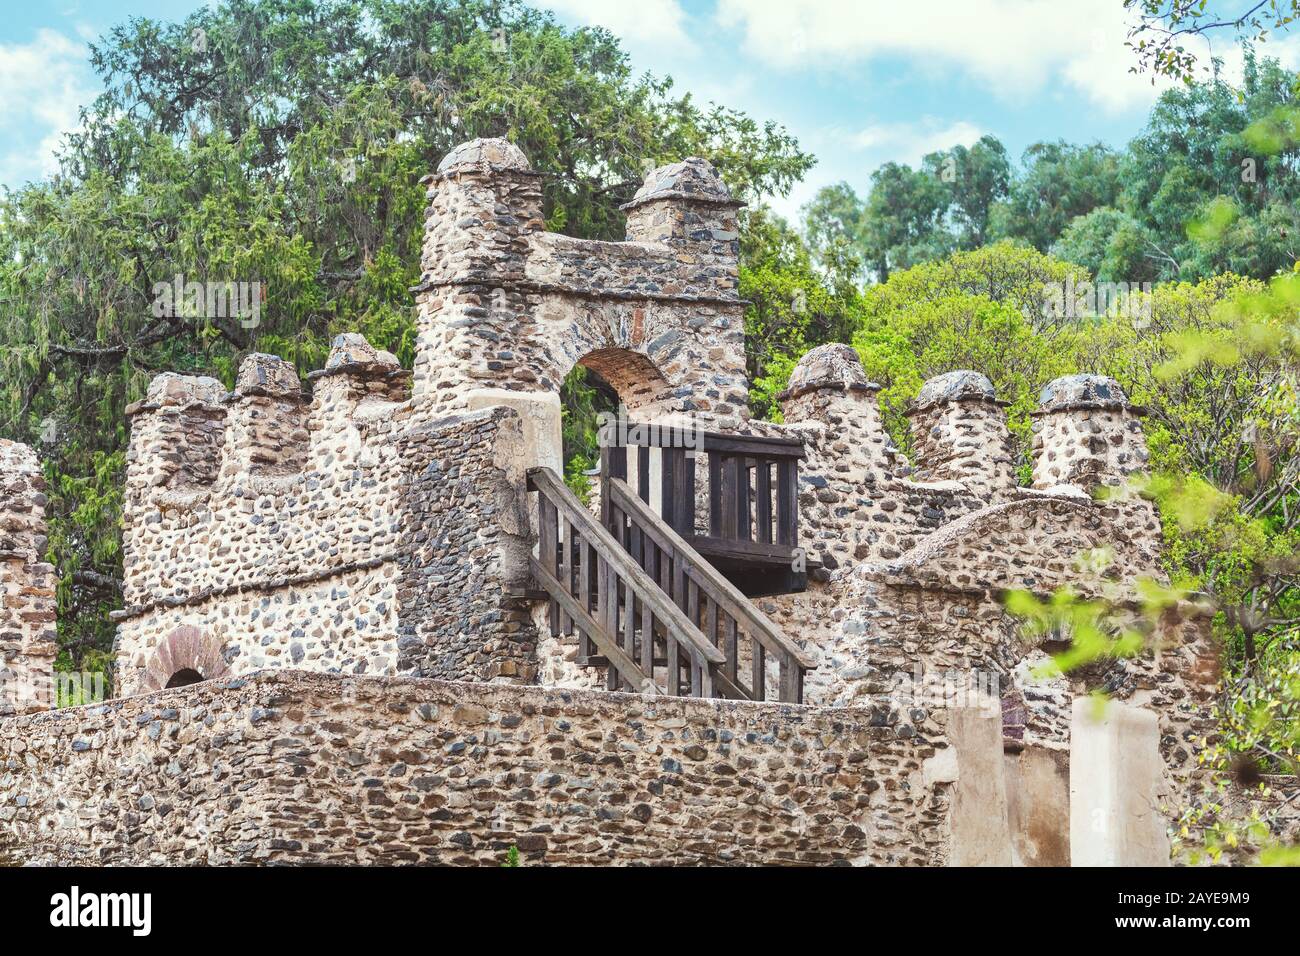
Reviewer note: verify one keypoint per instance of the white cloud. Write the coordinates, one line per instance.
(1013, 47)
(45, 84)
(909, 142)
(657, 23)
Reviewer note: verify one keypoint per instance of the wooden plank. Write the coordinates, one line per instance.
(791, 691)
(748, 552)
(647, 639)
(758, 672)
(729, 495)
(566, 573)
(546, 545)
(741, 480)
(608, 647)
(667, 485)
(715, 494)
(753, 445)
(771, 447)
(629, 622)
(673, 665)
(763, 501)
(643, 472)
(731, 647)
(584, 594)
(787, 504)
(609, 618)
(684, 510)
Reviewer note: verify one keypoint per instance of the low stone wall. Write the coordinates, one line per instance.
(292, 767)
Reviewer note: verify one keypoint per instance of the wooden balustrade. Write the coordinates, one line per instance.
(649, 609)
(728, 619)
(624, 619)
(749, 528)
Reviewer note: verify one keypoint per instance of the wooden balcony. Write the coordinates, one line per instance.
(733, 498)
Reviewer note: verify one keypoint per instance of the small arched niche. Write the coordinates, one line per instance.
(185, 656)
(184, 677)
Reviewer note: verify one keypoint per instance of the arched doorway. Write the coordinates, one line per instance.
(605, 382)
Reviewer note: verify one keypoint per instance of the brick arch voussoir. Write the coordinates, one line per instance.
(185, 648)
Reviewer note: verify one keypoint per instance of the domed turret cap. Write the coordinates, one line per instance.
(494, 153)
(958, 386)
(1082, 392)
(835, 366)
(693, 179)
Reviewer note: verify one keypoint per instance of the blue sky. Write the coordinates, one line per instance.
(859, 82)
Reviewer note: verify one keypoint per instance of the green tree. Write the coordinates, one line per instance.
(1058, 182)
(1111, 245)
(793, 304)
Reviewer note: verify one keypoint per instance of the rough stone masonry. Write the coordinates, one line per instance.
(337, 567)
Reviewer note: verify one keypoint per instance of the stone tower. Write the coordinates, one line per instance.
(507, 309)
(27, 604)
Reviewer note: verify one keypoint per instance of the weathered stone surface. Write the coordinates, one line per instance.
(375, 522)
(289, 767)
(27, 601)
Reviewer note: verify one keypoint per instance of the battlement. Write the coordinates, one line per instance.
(266, 527)
(191, 440)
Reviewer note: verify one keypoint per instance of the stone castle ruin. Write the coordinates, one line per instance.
(365, 622)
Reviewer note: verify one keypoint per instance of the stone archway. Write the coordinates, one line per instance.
(637, 381)
(183, 653)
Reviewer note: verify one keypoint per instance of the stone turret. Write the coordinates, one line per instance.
(507, 309)
(959, 433)
(1086, 433)
(830, 386)
(484, 202)
(266, 432)
(686, 203)
(177, 432)
(27, 603)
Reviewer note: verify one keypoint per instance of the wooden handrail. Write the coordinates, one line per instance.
(642, 435)
(545, 481)
(707, 577)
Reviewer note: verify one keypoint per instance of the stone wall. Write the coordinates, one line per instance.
(27, 602)
(325, 534)
(291, 767)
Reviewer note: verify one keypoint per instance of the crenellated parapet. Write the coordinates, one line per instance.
(28, 637)
(271, 526)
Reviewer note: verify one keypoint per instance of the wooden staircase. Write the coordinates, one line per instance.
(648, 608)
